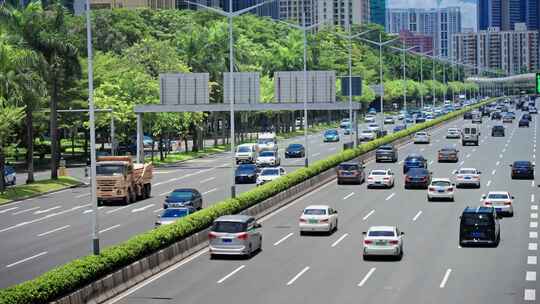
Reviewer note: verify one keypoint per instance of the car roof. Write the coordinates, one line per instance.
(414, 155)
(440, 179)
(522, 162)
(185, 190)
(379, 170)
(270, 168)
(350, 163)
(481, 209)
(467, 169)
(382, 228)
(413, 170)
(386, 146)
(234, 218)
(295, 145)
(498, 192)
(317, 207)
(448, 148)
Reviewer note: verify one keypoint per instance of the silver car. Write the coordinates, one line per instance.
(171, 215)
(235, 235)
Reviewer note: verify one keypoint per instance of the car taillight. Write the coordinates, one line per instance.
(488, 203)
(242, 236)
(432, 189)
(367, 242)
(302, 220)
(508, 203)
(370, 178)
(324, 221)
(407, 178)
(211, 235)
(393, 242)
(386, 178)
(450, 189)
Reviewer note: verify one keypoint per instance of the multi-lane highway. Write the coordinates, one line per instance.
(41, 233)
(330, 269)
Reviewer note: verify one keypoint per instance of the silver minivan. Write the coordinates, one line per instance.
(235, 235)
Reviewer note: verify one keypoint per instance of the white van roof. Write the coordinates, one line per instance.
(267, 135)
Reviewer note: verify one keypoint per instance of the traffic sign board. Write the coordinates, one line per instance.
(537, 83)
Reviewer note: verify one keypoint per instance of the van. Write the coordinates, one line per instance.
(479, 226)
(235, 235)
(470, 134)
(267, 141)
(245, 153)
(350, 172)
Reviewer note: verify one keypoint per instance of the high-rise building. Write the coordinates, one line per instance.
(441, 24)
(504, 14)
(532, 14)
(292, 10)
(423, 43)
(343, 12)
(267, 10)
(514, 51)
(377, 12)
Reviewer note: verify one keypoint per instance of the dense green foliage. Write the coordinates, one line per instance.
(64, 279)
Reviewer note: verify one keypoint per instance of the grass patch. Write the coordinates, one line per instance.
(183, 156)
(39, 187)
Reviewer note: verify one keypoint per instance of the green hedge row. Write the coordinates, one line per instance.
(80, 272)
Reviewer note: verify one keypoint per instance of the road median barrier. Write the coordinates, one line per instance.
(94, 279)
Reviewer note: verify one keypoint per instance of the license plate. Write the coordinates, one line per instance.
(313, 221)
(467, 177)
(378, 183)
(441, 191)
(477, 234)
(226, 240)
(380, 243)
(347, 173)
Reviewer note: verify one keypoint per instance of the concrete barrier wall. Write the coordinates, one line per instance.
(127, 277)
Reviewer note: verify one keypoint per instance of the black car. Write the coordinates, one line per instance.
(183, 198)
(467, 115)
(417, 178)
(497, 131)
(523, 122)
(479, 226)
(294, 151)
(414, 161)
(386, 153)
(485, 112)
(246, 174)
(496, 116)
(522, 169)
(526, 116)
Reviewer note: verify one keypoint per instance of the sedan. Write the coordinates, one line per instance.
(417, 178)
(448, 154)
(502, 201)
(318, 218)
(399, 128)
(498, 131)
(269, 174)
(496, 116)
(171, 215)
(467, 177)
(331, 136)
(522, 169)
(10, 177)
(380, 178)
(367, 135)
(373, 127)
(268, 158)
(440, 188)
(421, 138)
(183, 198)
(245, 174)
(523, 123)
(389, 121)
(507, 119)
(294, 151)
(533, 110)
(453, 133)
(383, 241)
(369, 119)
(414, 161)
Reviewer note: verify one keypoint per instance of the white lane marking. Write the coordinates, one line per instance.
(461, 163)
(493, 172)
(26, 210)
(315, 154)
(44, 217)
(417, 216)
(431, 162)
(231, 274)
(529, 295)
(366, 277)
(500, 156)
(110, 228)
(474, 149)
(534, 207)
(164, 193)
(26, 259)
(82, 195)
(534, 215)
(422, 150)
(370, 213)
(210, 191)
(532, 183)
(468, 155)
(530, 276)
(297, 276)
(401, 162)
(503, 150)
(157, 210)
(533, 234)
(390, 196)
(8, 209)
(47, 210)
(54, 230)
(348, 195)
(208, 179)
(283, 239)
(533, 246)
(142, 208)
(533, 225)
(498, 163)
(532, 198)
(117, 209)
(445, 278)
(532, 260)
(488, 183)
(339, 240)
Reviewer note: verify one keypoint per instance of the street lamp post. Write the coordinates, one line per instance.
(403, 51)
(230, 15)
(422, 74)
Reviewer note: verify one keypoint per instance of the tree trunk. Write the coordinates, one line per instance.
(2, 169)
(29, 146)
(161, 147)
(186, 144)
(54, 130)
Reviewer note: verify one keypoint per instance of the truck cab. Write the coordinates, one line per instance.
(267, 141)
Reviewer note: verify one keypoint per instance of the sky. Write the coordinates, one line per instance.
(468, 8)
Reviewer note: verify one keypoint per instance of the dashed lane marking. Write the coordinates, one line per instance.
(298, 275)
(445, 278)
(339, 240)
(283, 239)
(366, 277)
(231, 274)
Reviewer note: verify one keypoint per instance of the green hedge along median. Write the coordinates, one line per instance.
(80, 272)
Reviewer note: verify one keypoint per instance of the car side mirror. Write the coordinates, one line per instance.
(167, 196)
(513, 197)
(483, 196)
(364, 233)
(453, 184)
(454, 172)
(510, 165)
(479, 172)
(257, 225)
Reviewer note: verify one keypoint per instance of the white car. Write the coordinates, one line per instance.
(502, 201)
(380, 178)
(318, 218)
(467, 177)
(373, 127)
(269, 174)
(268, 158)
(267, 141)
(369, 118)
(440, 188)
(383, 240)
(389, 120)
(421, 138)
(246, 153)
(367, 135)
(453, 133)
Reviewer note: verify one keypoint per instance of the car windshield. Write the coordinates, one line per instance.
(244, 149)
(381, 233)
(367, 132)
(467, 171)
(229, 227)
(330, 132)
(315, 211)
(373, 125)
(448, 150)
(379, 172)
(109, 170)
(385, 148)
(413, 159)
(172, 212)
(452, 130)
(476, 219)
(247, 167)
(265, 141)
(181, 194)
(498, 196)
(348, 167)
(270, 172)
(421, 134)
(522, 164)
(441, 183)
(267, 153)
(295, 146)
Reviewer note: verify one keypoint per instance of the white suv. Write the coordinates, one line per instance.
(246, 153)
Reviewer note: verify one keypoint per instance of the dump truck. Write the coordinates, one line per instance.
(118, 179)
